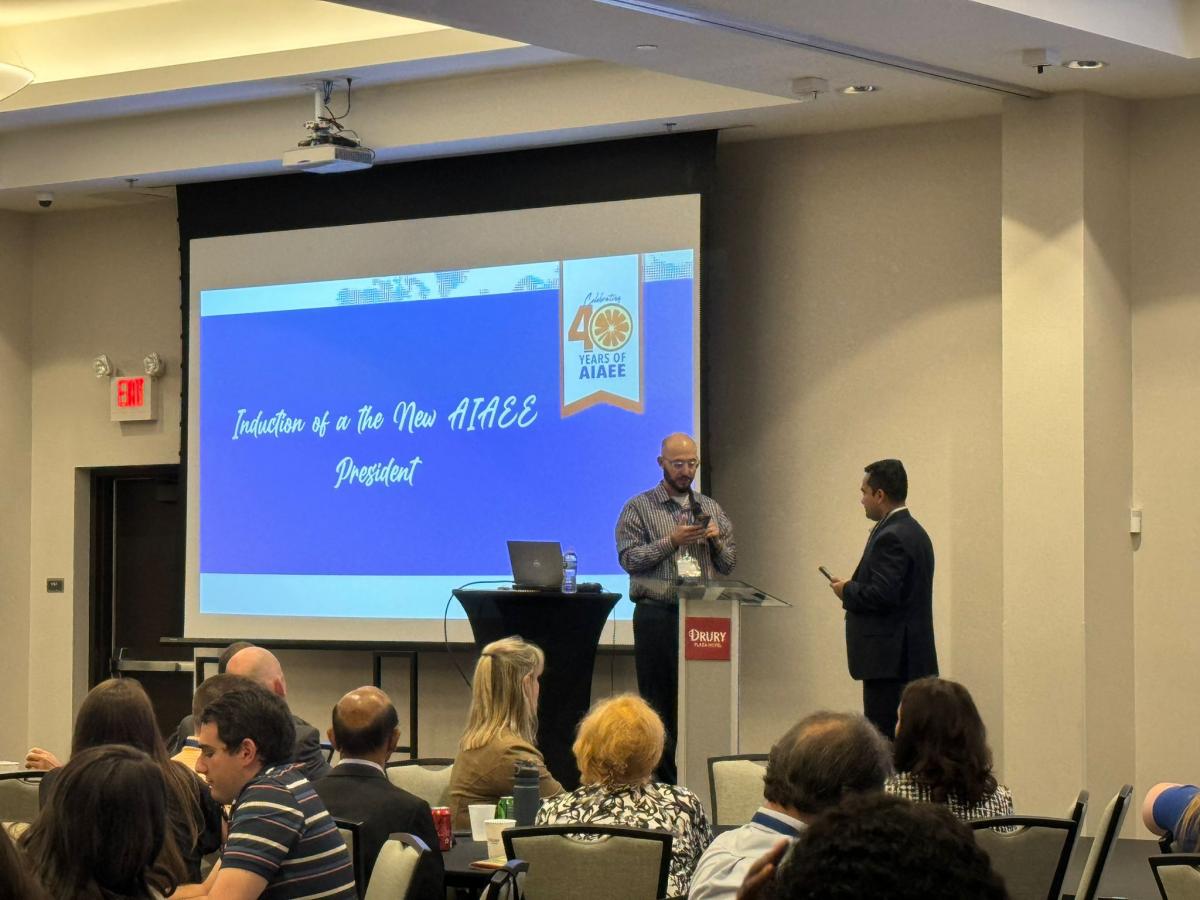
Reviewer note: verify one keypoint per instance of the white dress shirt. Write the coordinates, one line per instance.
(723, 867)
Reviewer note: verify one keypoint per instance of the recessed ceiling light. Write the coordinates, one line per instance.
(860, 89)
(647, 47)
(1085, 64)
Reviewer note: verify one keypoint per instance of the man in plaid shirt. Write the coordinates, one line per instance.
(668, 536)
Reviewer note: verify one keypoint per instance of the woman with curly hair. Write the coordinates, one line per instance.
(618, 747)
(941, 752)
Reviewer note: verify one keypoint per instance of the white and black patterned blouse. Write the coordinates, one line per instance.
(997, 803)
(665, 807)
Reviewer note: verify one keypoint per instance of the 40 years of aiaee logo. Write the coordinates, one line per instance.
(601, 350)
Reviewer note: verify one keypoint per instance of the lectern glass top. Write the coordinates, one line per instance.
(731, 592)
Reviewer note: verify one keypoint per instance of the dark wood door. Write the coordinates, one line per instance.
(137, 584)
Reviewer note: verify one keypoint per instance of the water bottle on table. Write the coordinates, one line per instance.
(570, 570)
(526, 798)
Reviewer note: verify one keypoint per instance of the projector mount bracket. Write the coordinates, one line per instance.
(325, 128)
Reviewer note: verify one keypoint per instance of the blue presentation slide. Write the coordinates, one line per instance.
(368, 444)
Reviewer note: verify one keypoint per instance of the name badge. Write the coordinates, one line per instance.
(688, 566)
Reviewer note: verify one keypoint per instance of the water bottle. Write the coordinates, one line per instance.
(526, 798)
(570, 570)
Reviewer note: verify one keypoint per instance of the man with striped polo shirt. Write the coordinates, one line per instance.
(283, 844)
(668, 536)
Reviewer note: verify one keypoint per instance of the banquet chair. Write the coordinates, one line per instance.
(1177, 875)
(427, 778)
(1106, 839)
(395, 867)
(1033, 858)
(736, 786)
(617, 863)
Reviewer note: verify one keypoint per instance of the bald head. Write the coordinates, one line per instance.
(679, 461)
(678, 443)
(365, 725)
(261, 666)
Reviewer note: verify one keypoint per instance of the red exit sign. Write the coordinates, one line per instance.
(131, 392)
(130, 398)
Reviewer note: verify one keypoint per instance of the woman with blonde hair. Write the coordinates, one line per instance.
(617, 748)
(501, 728)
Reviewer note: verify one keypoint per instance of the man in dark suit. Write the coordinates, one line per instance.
(889, 599)
(365, 732)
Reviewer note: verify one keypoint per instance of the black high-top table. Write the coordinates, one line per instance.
(568, 628)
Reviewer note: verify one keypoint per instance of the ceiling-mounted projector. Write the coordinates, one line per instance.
(329, 158)
(329, 147)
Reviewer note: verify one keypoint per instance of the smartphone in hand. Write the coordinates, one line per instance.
(824, 571)
(701, 520)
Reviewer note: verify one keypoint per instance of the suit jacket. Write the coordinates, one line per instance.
(889, 604)
(307, 751)
(362, 793)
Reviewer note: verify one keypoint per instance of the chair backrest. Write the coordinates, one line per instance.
(395, 867)
(1033, 858)
(561, 865)
(1177, 875)
(1106, 837)
(735, 784)
(427, 778)
(327, 750)
(349, 832)
(19, 795)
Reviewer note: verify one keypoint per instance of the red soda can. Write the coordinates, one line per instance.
(445, 831)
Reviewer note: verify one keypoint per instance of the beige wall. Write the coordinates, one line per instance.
(859, 277)
(16, 410)
(103, 281)
(1166, 385)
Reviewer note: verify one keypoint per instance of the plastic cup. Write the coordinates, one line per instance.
(480, 813)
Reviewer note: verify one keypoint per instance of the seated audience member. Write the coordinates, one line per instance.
(117, 711)
(16, 880)
(365, 731)
(211, 688)
(187, 728)
(103, 830)
(618, 747)
(1174, 809)
(941, 753)
(282, 841)
(261, 665)
(821, 760)
(875, 845)
(501, 728)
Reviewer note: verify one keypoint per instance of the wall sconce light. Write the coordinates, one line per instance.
(102, 366)
(13, 78)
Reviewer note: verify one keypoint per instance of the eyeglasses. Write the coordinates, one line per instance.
(680, 464)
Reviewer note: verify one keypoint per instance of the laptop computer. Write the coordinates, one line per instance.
(536, 565)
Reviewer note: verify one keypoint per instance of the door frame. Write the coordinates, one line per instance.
(103, 482)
